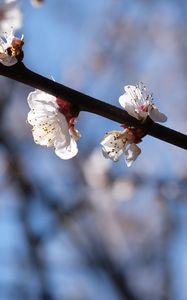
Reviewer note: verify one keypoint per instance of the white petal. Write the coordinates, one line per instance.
(133, 111)
(63, 138)
(35, 117)
(38, 97)
(44, 108)
(129, 88)
(140, 114)
(67, 152)
(51, 131)
(156, 115)
(133, 91)
(132, 102)
(47, 132)
(42, 137)
(131, 154)
(113, 145)
(124, 100)
(127, 103)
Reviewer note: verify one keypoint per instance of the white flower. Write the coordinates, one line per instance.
(10, 16)
(50, 126)
(139, 103)
(115, 143)
(11, 49)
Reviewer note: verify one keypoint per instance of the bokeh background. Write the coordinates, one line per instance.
(88, 229)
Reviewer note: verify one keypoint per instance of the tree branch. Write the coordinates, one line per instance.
(20, 73)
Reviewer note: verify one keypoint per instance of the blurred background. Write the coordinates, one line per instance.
(86, 228)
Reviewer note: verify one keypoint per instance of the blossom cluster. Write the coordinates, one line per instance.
(10, 20)
(138, 102)
(53, 120)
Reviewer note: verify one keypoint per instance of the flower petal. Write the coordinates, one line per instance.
(36, 117)
(156, 115)
(113, 145)
(131, 154)
(39, 98)
(67, 152)
(42, 137)
(131, 109)
(130, 89)
(125, 100)
(131, 101)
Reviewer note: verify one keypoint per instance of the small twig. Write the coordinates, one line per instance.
(20, 73)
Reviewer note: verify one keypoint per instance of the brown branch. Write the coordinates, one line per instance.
(20, 73)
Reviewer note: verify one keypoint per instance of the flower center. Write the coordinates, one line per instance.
(16, 48)
(133, 134)
(70, 111)
(143, 107)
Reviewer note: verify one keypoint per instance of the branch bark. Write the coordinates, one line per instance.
(22, 74)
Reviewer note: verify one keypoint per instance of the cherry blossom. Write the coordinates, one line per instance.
(115, 143)
(139, 103)
(11, 49)
(53, 122)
